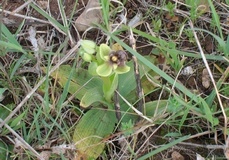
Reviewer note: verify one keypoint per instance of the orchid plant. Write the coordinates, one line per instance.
(106, 63)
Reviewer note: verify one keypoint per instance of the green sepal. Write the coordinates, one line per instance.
(122, 69)
(86, 57)
(104, 51)
(104, 70)
(88, 46)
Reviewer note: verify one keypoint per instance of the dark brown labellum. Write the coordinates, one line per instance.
(118, 57)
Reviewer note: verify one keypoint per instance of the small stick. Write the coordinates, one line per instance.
(134, 109)
(26, 145)
(117, 105)
(211, 77)
(137, 75)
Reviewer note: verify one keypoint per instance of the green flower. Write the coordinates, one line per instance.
(87, 50)
(113, 61)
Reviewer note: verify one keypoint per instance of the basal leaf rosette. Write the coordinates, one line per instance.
(87, 49)
(113, 61)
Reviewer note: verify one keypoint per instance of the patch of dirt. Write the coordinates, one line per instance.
(16, 7)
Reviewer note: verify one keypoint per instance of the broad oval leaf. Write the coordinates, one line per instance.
(89, 133)
(92, 95)
(81, 80)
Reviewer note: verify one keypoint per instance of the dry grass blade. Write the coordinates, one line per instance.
(64, 59)
(135, 110)
(22, 6)
(24, 17)
(22, 141)
(212, 79)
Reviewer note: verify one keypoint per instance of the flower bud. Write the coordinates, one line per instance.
(88, 46)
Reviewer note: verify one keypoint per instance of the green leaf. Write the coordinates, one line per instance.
(91, 130)
(50, 18)
(173, 134)
(12, 47)
(65, 89)
(227, 47)
(92, 95)
(5, 110)
(215, 18)
(127, 82)
(81, 80)
(208, 113)
(2, 90)
(154, 108)
(17, 65)
(9, 36)
(5, 150)
(16, 123)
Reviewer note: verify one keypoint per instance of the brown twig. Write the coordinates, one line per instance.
(139, 89)
(117, 105)
(211, 77)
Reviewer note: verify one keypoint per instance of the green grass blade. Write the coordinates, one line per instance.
(63, 15)
(17, 65)
(12, 47)
(163, 148)
(7, 34)
(105, 10)
(215, 18)
(162, 45)
(66, 88)
(219, 40)
(227, 46)
(51, 19)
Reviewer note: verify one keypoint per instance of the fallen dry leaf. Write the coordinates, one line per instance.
(208, 44)
(91, 14)
(205, 78)
(46, 154)
(43, 4)
(171, 20)
(203, 6)
(177, 156)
